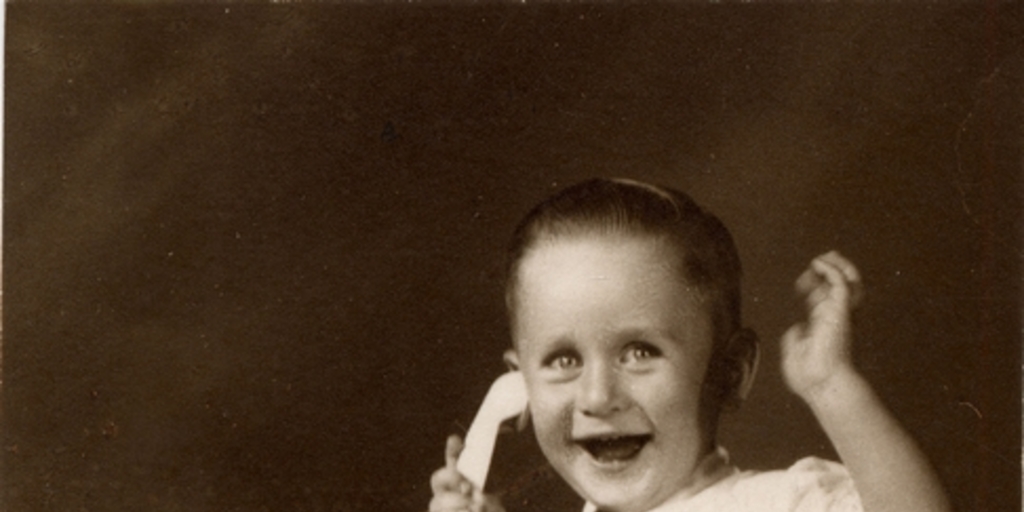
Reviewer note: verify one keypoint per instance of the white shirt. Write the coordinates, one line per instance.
(810, 485)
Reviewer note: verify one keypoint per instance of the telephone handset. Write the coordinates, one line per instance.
(506, 399)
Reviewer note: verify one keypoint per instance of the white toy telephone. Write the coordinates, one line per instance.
(506, 399)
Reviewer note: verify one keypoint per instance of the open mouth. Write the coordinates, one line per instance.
(614, 448)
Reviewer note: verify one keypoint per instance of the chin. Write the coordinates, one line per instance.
(614, 487)
(609, 500)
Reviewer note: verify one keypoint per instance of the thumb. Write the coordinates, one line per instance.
(452, 449)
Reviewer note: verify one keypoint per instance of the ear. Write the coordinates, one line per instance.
(744, 352)
(511, 358)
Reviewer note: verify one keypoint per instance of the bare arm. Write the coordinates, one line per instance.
(890, 471)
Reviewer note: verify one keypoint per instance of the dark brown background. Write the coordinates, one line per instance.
(253, 253)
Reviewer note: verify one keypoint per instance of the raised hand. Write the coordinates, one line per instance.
(818, 349)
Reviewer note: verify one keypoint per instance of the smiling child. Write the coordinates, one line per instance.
(624, 302)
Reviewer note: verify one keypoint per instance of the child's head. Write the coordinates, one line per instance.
(625, 311)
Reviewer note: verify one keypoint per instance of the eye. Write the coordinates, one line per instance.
(562, 360)
(639, 352)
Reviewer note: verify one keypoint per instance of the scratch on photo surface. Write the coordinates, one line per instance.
(972, 407)
(984, 85)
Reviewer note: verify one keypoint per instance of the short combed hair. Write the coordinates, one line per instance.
(602, 206)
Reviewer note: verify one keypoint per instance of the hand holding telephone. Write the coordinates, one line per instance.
(506, 399)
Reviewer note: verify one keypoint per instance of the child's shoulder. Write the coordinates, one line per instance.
(811, 484)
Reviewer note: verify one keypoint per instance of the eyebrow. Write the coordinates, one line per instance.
(646, 332)
(640, 332)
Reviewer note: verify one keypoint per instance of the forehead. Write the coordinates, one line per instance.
(585, 258)
(634, 257)
(604, 278)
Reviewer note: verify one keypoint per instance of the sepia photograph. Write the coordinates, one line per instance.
(511, 256)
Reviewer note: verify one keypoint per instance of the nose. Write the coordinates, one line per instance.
(599, 393)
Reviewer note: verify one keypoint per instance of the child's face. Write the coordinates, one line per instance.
(613, 347)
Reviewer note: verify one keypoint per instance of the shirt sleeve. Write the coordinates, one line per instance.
(809, 485)
(822, 485)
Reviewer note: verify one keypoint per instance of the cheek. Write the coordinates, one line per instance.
(551, 416)
(676, 399)
(554, 433)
